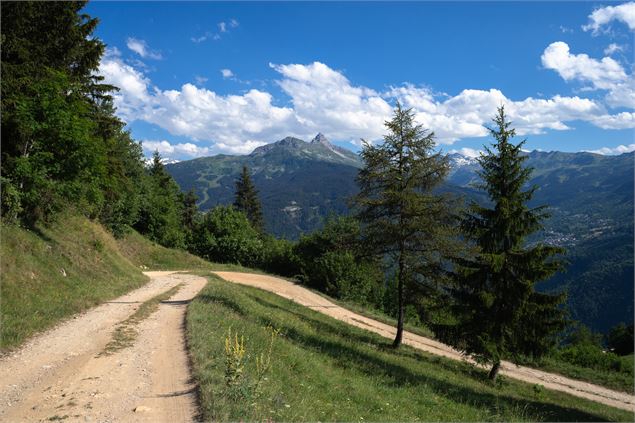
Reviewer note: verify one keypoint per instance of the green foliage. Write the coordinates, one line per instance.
(247, 200)
(50, 152)
(620, 339)
(162, 209)
(63, 147)
(279, 257)
(225, 235)
(403, 220)
(331, 260)
(500, 313)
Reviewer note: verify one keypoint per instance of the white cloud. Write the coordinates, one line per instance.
(605, 74)
(200, 80)
(620, 149)
(613, 48)
(602, 74)
(624, 120)
(222, 27)
(605, 15)
(233, 23)
(141, 48)
(324, 100)
(227, 73)
(165, 148)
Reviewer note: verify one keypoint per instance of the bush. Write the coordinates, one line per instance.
(592, 356)
(331, 261)
(620, 339)
(279, 258)
(225, 235)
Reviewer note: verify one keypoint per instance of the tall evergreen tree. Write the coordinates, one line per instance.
(402, 219)
(247, 201)
(501, 314)
(160, 216)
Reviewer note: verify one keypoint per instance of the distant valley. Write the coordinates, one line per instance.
(590, 198)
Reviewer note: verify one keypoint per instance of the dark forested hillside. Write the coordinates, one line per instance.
(590, 198)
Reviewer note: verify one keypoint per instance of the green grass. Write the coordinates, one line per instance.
(618, 380)
(55, 271)
(125, 333)
(148, 255)
(325, 370)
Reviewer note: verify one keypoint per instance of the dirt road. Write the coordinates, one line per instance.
(307, 298)
(61, 374)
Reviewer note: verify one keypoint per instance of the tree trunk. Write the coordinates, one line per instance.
(494, 372)
(400, 312)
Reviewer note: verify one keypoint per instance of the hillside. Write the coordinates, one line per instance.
(300, 183)
(69, 266)
(590, 198)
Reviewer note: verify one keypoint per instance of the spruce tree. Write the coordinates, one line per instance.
(501, 315)
(403, 220)
(247, 201)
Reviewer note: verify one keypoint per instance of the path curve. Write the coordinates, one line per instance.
(61, 372)
(305, 297)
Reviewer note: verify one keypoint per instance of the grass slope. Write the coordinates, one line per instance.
(53, 272)
(324, 370)
(149, 255)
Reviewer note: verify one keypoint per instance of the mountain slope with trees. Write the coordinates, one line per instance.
(590, 198)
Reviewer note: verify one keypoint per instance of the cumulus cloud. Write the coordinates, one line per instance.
(165, 148)
(605, 74)
(141, 48)
(325, 100)
(602, 74)
(620, 149)
(605, 15)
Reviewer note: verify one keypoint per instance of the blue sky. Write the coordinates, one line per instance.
(204, 78)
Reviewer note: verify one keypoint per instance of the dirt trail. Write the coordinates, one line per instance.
(307, 298)
(61, 374)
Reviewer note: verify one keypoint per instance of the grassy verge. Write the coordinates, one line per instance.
(148, 255)
(125, 332)
(53, 272)
(321, 369)
(621, 381)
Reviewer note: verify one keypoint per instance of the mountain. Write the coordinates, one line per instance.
(590, 198)
(299, 182)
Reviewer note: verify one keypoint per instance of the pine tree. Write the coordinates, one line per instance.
(501, 314)
(160, 216)
(402, 219)
(247, 201)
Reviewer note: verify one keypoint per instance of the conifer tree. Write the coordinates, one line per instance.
(501, 315)
(247, 201)
(403, 220)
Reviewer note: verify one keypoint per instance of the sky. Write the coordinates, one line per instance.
(201, 78)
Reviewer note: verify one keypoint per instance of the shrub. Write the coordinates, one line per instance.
(279, 257)
(225, 235)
